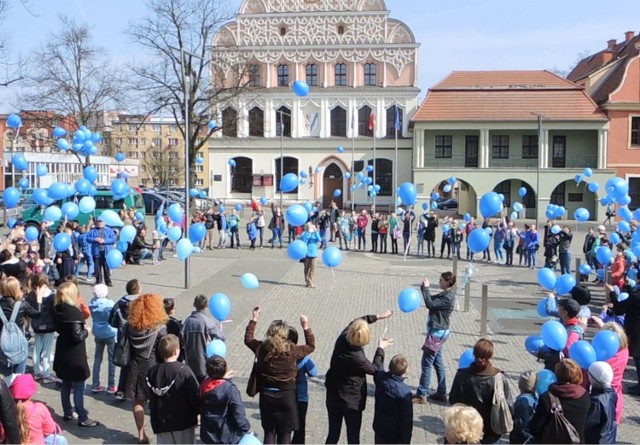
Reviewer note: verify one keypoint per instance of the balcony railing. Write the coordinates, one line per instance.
(512, 162)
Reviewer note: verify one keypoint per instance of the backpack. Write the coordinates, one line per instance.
(559, 429)
(13, 343)
(501, 420)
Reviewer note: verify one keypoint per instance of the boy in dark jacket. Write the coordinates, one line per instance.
(601, 420)
(393, 418)
(173, 402)
(174, 326)
(223, 419)
(524, 407)
(306, 367)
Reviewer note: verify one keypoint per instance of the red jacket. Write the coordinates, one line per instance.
(362, 221)
(617, 269)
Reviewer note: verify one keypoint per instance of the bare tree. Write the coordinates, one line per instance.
(72, 76)
(163, 165)
(564, 72)
(177, 35)
(12, 70)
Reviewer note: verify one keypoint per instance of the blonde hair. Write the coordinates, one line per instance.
(23, 422)
(462, 424)
(67, 293)
(615, 327)
(10, 287)
(358, 333)
(277, 339)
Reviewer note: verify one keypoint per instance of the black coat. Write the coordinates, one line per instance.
(474, 387)
(346, 379)
(44, 323)
(70, 361)
(630, 308)
(430, 229)
(601, 420)
(223, 418)
(8, 415)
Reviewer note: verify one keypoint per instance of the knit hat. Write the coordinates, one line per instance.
(581, 294)
(23, 387)
(570, 305)
(527, 382)
(600, 374)
(602, 229)
(100, 290)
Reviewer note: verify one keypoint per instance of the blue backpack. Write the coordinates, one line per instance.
(14, 347)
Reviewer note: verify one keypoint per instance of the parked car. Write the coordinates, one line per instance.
(171, 195)
(153, 201)
(6, 214)
(448, 203)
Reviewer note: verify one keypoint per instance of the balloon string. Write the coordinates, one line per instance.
(332, 272)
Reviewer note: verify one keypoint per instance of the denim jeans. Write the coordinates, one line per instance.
(497, 249)
(110, 343)
(429, 360)
(78, 399)
(276, 234)
(362, 241)
(144, 254)
(261, 233)
(565, 262)
(88, 259)
(42, 353)
(531, 257)
(7, 370)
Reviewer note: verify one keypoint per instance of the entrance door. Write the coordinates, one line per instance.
(331, 180)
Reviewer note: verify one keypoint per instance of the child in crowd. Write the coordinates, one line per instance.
(568, 310)
(523, 407)
(173, 399)
(306, 367)
(393, 416)
(174, 326)
(222, 415)
(252, 232)
(35, 423)
(105, 336)
(44, 328)
(156, 248)
(600, 426)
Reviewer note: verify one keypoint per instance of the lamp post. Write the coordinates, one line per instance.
(282, 113)
(540, 158)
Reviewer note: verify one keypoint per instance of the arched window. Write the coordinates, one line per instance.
(312, 75)
(230, 122)
(340, 71)
(339, 122)
(394, 119)
(283, 75)
(256, 122)
(283, 122)
(241, 175)
(290, 165)
(253, 72)
(365, 127)
(384, 176)
(370, 74)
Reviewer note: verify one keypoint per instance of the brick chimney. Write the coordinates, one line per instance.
(629, 35)
(611, 43)
(606, 56)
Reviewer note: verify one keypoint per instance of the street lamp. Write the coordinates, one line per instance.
(540, 154)
(282, 113)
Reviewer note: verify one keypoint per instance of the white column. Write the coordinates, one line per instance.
(350, 111)
(602, 148)
(296, 120)
(418, 161)
(269, 119)
(325, 119)
(384, 75)
(381, 119)
(483, 161)
(544, 147)
(268, 80)
(243, 112)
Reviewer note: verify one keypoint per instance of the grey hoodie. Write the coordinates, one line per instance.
(198, 330)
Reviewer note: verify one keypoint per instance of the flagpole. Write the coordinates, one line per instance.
(374, 164)
(395, 169)
(353, 155)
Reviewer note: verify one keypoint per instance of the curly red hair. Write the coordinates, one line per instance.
(147, 312)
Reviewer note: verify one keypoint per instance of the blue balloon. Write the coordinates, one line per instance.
(603, 255)
(127, 233)
(249, 281)
(478, 240)
(581, 214)
(41, 197)
(522, 191)
(199, 160)
(600, 274)
(360, 176)
(606, 344)
(616, 187)
(347, 175)
(584, 269)
(466, 358)
(11, 197)
(559, 211)
(623, 227)
(409, 299)
(624, 213)
(90, 173)
(517, 207)
(197, 232)
(31, 234)
(369, 168)
(308, 206)
(467, 217)
(297, 215)
(337, 193)
(211, 124)
(110, 218)
(238, 207)
(70, 210)
(614, 238)
(87, 204)
(331, 257)
(194, 193)
(184, 248)
(633, 273)
(23, 183)
(447, 188)
(221, 208)
(554, 335)
(219, 306)
(593, 187)
(555, 229)
(61, 242)
(263, 201)
(119, 156)
(122, 246)
(83, 186)
(544, 378)
(578, 179)
(19, 162)
(216, 347)
(62, 144)
(624, 200)
(549, 213)
(340, 150)
(300, 88)
(533, 344)
(14, 121)
(289, 182)
(565, 283)
(445, 228)
(297, 250)
(582, 353)
(231, 162)
(52, 213)
(407, 193)
(541, 308)
(546, 278)
(425, 206)
(174, 233)
(588, 172)
(57, 190)
(41, 170)
(302, 174)
(249, 439)
(175, 213)
(114, 259)
(490, 204)
(119, 187)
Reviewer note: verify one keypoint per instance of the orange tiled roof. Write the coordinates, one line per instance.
(506, 96)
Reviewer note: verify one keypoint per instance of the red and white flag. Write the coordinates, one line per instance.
(372, 121)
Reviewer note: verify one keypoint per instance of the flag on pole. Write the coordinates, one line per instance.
(396, 120)
(372, 120)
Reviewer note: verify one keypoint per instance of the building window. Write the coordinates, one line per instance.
(365, 122)
(283, 75)
(395, 119)
(471, 151)
(173, 128)
(199, 182)
(529, 146)
(283, 122)
(312, 75)
(156, 142)
(634, 193)
(384, 176)
(370, 74)
(256, 122)
(173, 155)
(340, 72)
(557, 196)
(131, 127)
(133, 154)
(575, 197)
(500, 147)
(172, 141)
(504, 188)
(143, 168)
(199, 168)
(241, 175)
(290, 165)
(444, 146)
(143, 141)
(143, 154)
(119, 141)
(283, 31)
(254, 75)
(133, 141)
(559, 154)
(155, 127)
(635, 130)
(339, 122)
(230, 122)
(340, 29)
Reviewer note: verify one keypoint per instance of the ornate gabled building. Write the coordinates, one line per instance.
(361, 67)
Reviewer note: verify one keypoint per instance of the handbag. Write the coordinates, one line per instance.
(122, 350)
(501, 419)
(432, 344)
(252, 383)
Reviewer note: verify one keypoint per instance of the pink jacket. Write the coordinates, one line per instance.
(41, 424)
(618, 363)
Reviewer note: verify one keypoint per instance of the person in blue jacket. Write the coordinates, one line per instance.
(306, 367)
(105, 336)
(311, 237)
(85, 249)
(600, 426)
(393, 416)
(101, 239)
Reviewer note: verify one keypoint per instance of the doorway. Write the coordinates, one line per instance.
(331, 181)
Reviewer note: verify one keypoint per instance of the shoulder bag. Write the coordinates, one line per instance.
(122, 349)
(252, 383)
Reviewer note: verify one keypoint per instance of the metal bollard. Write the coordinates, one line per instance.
(484, 312)
(455, 270)
(467, 296)
(577, 270)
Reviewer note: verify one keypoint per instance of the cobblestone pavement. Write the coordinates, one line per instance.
(363, 284)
